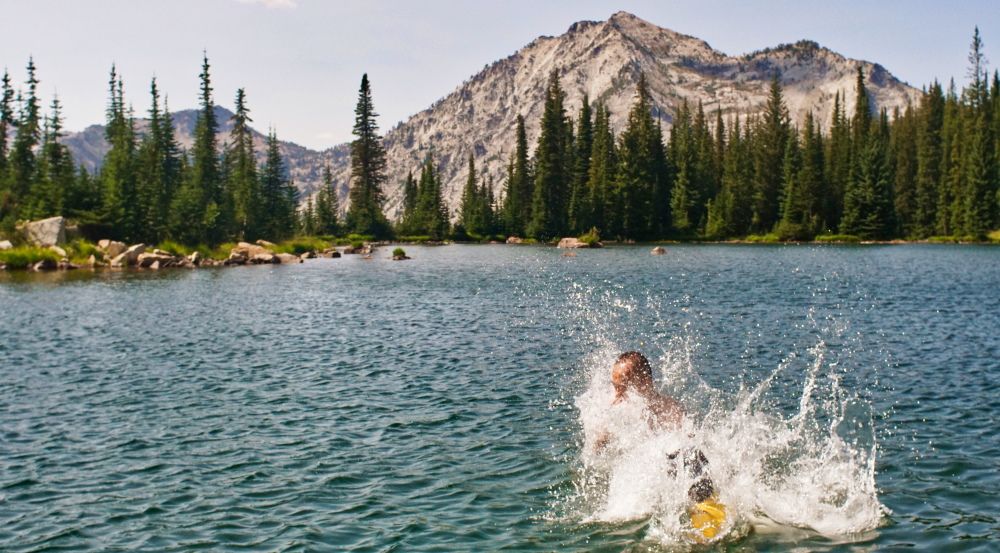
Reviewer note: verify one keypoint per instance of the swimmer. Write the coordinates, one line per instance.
(632, 374)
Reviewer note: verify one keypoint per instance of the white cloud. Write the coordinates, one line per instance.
(272, 4)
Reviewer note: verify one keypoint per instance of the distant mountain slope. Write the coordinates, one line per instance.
(602, 59)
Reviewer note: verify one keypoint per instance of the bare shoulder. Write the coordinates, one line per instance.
(667, 410)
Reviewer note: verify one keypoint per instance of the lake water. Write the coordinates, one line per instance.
(845, 397)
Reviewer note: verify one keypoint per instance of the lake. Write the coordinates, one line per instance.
(845, 397)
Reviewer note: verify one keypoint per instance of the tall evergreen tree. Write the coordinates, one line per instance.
(243, 183)
(469, 211)
(121, 211)
(368, 167)
(201, 210)
(770, 140)
(22, 162)
(602, 175)
(277, 193)
(431, 212)
(641, 179)
(868, 199)
(327, 205)
(520, 186)
(929, 120)
(580, 209)
(548, 206)
(903, 153)
(56, 172)
(7, 122)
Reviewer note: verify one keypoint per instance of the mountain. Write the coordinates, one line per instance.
(600, 58)
(305, 166)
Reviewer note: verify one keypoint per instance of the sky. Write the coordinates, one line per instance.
(301, 61)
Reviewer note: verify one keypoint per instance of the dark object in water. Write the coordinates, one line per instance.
(695, 464)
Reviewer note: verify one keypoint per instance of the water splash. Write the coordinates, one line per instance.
(780, 463)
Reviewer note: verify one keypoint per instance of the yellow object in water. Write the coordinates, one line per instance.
(707, 518)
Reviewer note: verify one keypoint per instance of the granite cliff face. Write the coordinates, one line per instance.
(602, 59)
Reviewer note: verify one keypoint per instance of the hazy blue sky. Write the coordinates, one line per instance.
(301, 60)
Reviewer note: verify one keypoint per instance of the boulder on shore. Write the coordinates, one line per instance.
(572, 243)
(6, 245)
(266, 244)
(58, 251)
(514, 240)
(46, 232)
(264, 258)
(194, 259)
(111, 248)
(158, 258)
(658, 250)
(287, 258)
(249, 250)
(129, 257)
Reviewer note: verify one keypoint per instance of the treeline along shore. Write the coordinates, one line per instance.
(925, 172)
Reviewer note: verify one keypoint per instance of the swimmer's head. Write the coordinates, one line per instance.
(632, 370)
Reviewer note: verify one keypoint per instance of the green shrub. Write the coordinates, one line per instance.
(399, 252)
(943, 239)
(994, 236)
(174, 248)
(837, 238)
(21, 257)
(80, 250)
(769, 238)
(301, 245)
(591, 237)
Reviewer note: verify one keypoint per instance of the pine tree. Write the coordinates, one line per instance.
(243, 183)
(868, 201)
(22, 162)
(7, 122)
(158, 172)
(56, 171)
(640, 179)
(520, 186)
(201, 212)
(903, 153)
(548, 206)
(580, 209)
(327, 205)
(121, 211)
(928, 178)
(770, 139)
(469, 211)
(368, 167)
(838, 166)
(803, 201)
(684, 195)
(602, 175)
(979, 163)
(431, 212)
(278, 194)
(949, 201)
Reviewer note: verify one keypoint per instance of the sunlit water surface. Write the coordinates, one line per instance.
(845, 397)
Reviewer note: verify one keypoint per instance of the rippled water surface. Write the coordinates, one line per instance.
(435, 404)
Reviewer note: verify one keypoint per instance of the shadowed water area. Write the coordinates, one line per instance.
(438, 404)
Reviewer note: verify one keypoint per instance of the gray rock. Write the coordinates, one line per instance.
(111, 248)
(46, 232)
(264, 259)
(287, 258)
(266, 244)
(514, 240)
(658, 250)
(6, 245)
(572, 243)
(194, 258)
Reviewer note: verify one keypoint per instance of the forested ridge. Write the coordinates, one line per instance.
(928, 170)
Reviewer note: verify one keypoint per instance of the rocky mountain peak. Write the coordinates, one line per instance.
(602, 60)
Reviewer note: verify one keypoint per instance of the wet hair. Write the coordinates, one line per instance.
(638, 363)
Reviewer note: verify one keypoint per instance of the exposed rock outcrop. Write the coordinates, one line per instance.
(45, 232)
